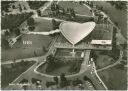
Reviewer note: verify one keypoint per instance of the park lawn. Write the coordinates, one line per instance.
(43, 25)
(39, 42)
(115, 78)
(10, 72)
(20, 50)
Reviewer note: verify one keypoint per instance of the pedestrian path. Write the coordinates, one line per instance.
(94, 67)
(19, 60)
(45, 33)
(84, 65)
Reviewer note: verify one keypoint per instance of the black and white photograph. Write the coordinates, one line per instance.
(64, 45)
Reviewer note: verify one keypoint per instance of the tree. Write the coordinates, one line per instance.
(4, 43)
(16, 31)
(30, 21)
(50, 63)
(56, 79)
(50, 59)
(53, 7)
(55, 24)
(39, 12)
(71, 13)
(63, 80)
(121, 5)
(22, 63)
(7, 33)
(44, 49)
(31, 28)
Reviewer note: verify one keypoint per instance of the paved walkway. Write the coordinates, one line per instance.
(85, 62)
(99, 76)
(45, 33)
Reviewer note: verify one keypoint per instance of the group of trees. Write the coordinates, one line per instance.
(31, 24)
(36, 4)
(50, 63)
(121, 5)
(9, 6)
(57, 10)
(71, 12)
(64, 82)
(55, 24)
(5, 5)
(4, 43)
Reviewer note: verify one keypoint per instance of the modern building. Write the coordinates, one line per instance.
(85, 36)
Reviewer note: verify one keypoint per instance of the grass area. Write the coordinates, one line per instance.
(103, 59)
(20, 50)
(39, 42)
(119, 16)
(9, 72)
(115, 78)
(42, 25)
(69, 67)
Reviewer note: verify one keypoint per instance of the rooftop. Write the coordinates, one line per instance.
(101, 32)
(74, 32)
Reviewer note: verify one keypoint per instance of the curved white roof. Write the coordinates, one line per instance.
(75, 32)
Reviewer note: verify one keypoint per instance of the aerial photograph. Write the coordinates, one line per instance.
(63, 45)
